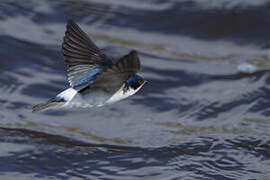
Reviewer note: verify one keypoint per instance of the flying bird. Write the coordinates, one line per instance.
(93, 78)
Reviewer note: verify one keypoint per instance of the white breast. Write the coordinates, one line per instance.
(120, 94)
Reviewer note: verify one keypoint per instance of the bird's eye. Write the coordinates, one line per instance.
(140, 81)
(125, 89)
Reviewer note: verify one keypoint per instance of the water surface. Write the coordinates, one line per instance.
(199, 117)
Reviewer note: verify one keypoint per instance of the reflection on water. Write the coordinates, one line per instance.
(197, 118)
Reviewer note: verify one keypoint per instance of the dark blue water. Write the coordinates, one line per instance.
(203, 114)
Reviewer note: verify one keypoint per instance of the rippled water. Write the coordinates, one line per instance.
(203, 114)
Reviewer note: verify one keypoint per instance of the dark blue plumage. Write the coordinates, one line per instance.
(133, 80)
(82, 81)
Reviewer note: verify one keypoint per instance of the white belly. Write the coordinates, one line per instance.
(93, 98)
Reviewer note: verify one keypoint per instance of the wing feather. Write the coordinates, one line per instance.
(83, 58)
(113, 77)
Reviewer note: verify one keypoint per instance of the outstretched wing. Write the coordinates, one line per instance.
(113, 77)
(83, 58)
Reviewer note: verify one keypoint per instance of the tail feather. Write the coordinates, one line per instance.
(56, 102)
(51, 104)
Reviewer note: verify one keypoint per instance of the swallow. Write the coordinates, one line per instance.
(94, 79)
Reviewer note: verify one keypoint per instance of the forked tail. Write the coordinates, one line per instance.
(56, 102)
(51, 104)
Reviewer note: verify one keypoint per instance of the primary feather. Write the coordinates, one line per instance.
(83, 58)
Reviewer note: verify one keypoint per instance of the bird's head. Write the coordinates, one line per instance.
(134, 83)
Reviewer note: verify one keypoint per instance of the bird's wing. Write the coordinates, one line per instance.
(83, 58)
(113, 77)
